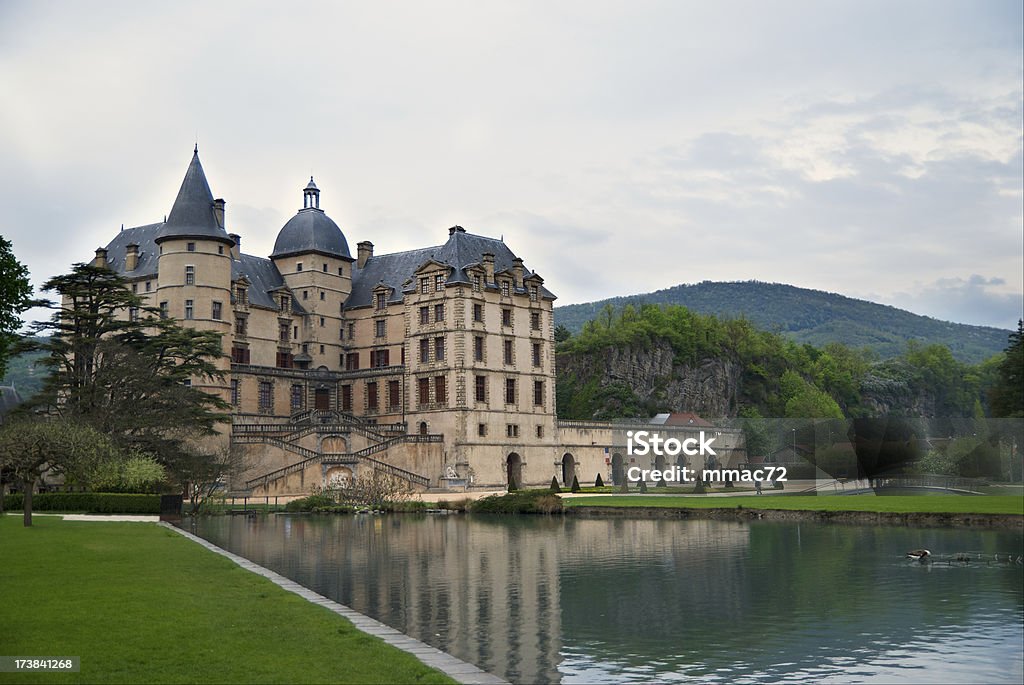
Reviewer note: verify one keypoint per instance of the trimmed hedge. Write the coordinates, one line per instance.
(519, 502)
(88, 502)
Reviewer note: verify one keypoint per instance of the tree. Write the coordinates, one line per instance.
(1007, 394)
(120, 367)
(562, 333)
(30, 447)
(15, 292)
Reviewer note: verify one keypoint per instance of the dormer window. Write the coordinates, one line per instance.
(381, 301)
(242, 296)
(286, 303)
(438, 282)
(424, 285)
(504, 288)
(477, 283)
(534, 293)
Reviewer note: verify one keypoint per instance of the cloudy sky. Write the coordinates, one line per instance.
(868, 148)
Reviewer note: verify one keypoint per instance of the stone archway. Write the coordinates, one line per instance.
(514, 471)
(333, 444)
(618, 469)
(568, 469)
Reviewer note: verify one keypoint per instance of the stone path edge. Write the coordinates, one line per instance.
(461, 671)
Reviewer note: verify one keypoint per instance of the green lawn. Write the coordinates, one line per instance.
(141, 604)
(925, 504)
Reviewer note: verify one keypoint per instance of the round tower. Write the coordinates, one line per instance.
(194, 266)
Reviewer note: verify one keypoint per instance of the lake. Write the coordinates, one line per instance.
(561, 599)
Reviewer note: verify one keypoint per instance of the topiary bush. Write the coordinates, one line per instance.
(575, 484)
(554, 484)
(599, 482)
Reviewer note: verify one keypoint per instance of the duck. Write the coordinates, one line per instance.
(919, 555)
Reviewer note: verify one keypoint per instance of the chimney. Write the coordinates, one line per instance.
(364, 251)
(488, 258)
(218, 211)
(131, 258)
(517, 271)
(236, 249)
(101, 257)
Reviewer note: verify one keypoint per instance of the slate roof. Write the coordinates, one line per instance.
(263, 278)
(192, 215)
(144, 237)
(311, 231)
(463, 250)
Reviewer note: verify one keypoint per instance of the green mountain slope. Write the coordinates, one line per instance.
(810, 316)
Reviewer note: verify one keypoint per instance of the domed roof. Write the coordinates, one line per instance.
(310, 230)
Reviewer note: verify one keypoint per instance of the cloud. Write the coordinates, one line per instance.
(975, 299)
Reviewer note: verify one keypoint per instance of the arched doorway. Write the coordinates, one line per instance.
(333, 444)
(514, 471)
(618, 472)
(568, 469)
(659, 465)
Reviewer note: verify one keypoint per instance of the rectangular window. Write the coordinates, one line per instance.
(346, 398)
(535, 321)
(504, 288)
(286, 302)
(478, 313)
(163, 310)
(284, 360)
(305, 294)
(424, 350)
(371, 396)
(394, 395)
(242, 296)
(189, 309)
(239, 355)
(352, 361)
(423, 395)
(510, 391)
(322, 321)
(190, 275)
(321, 349)
(478, 348)
(351, 331)
(149, 286)
(534, 293)
(424, 315)
(298, 266)
(438, 313)
(135, 287)
(295, 332)
(381, 301)
(325, 268)
(298, 395)
(424, 285)
(477, 283)
(481, 429)
(266, 396)
(323, 295)
(438, 282)
(380, 328)
(216, 311)
(440, 390)
(508, 351)
(538, 393)
(133, 313)
(536, 354)
(481, 388)
(191, 247)
(379, 358)
(512, 430)
(438, 349)
(540, 431)
(506, 317)
(282, 332)
(236, 392)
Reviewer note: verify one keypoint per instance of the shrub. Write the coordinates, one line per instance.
(598, 482)
(313, 502)
(554, 484)
(643, 485)
(575, 484)
(521, 502)
(88, 502)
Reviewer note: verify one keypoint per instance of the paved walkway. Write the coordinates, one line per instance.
(460, 670)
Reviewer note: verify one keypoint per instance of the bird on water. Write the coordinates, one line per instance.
(919, 555)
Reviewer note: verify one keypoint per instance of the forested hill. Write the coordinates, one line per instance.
(809, 316)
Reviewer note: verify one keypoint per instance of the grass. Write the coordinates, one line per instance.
(141, 604)
(930, 504)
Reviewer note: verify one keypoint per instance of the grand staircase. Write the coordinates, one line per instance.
(286, 436)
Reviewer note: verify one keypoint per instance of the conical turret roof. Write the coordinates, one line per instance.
(192, 214)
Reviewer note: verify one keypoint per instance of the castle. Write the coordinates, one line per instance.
(435, 365)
